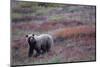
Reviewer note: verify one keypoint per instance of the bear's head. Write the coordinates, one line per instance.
(31, 39)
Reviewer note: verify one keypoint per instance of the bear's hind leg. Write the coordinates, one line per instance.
(43, 49)
(38, 52)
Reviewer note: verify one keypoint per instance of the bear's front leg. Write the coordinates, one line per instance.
(30, 51)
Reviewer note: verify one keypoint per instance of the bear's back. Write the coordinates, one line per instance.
(43, 38)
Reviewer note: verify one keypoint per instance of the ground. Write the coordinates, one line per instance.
(72, 27)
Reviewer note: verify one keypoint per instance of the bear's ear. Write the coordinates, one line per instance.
(26, 35)
(32, 34)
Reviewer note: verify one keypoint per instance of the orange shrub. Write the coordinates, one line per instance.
(74, 31)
